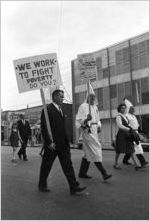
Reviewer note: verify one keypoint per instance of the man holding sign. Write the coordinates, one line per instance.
(58, 147)
(38, 72)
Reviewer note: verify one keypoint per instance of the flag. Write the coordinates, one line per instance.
(128, 104)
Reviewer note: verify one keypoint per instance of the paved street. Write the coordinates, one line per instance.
(124, 197)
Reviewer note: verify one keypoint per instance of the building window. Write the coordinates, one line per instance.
(105, 72)
(126, 55)
(145, 98)
(112, 70)
(100, 98)
(136, 92)
(145, 90)
(145, 124)
(135, 57)
(140, 55)
(120, 92)
(113, 91)
(99, 68)
(106, 100)
(113, 96)
(122, 61)
(128, 90)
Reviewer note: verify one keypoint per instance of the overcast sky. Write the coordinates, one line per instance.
(68, 28)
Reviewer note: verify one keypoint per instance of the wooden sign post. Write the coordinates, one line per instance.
(88, 91)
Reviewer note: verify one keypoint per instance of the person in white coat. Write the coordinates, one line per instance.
(133, 123)
(90, 125)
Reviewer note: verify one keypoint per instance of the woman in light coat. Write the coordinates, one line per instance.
(123, 142)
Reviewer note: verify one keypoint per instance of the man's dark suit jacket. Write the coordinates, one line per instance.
(24, 130)
(57, 123)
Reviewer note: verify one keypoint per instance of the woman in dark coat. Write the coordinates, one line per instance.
(123, 142)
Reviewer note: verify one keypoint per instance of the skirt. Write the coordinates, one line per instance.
(123, 143)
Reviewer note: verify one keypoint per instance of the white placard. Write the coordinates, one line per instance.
(37, 72)
(87, 66)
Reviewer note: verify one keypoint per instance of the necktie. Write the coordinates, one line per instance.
(60, 111)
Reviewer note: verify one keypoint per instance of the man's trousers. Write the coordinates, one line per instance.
(65, 160)
(22, 150)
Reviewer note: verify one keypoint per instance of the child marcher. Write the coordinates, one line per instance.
(14, 141)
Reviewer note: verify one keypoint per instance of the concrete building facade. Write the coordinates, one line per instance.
(122, 70)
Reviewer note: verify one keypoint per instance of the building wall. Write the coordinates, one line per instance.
(122, 71)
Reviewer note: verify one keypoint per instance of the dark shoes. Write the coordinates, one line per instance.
(106, 176)
(138, 167)
(44, 189)
(77, 190)
(85, 176)
(72, 192)
(24, 157)
(144, 164)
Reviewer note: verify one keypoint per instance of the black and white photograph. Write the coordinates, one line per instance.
(75, 110)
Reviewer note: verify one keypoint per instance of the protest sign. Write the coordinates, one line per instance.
(87, 66)
(37, 72)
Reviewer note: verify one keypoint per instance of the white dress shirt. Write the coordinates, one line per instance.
(58, 108)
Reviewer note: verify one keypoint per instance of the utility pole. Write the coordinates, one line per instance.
(110, 106)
